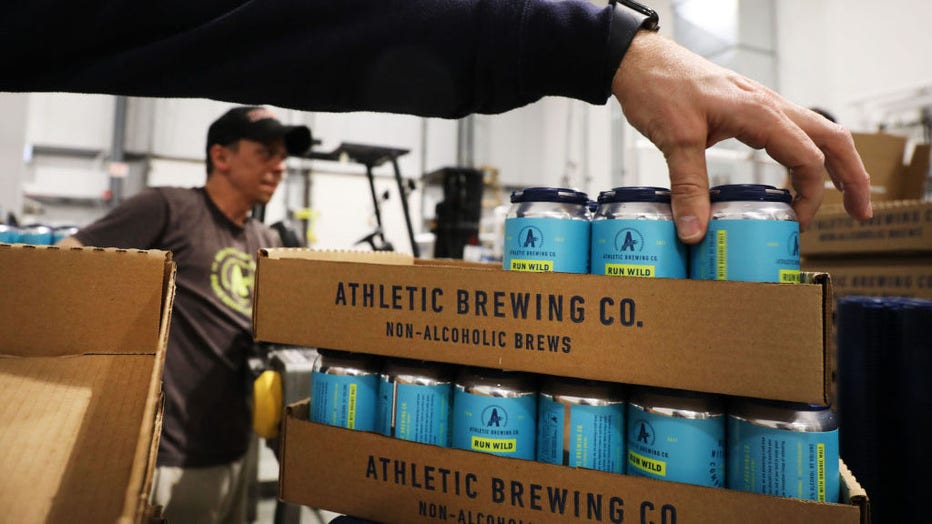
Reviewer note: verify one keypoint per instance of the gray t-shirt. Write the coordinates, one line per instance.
(207, 419)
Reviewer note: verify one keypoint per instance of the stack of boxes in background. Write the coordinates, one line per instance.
(891, 254)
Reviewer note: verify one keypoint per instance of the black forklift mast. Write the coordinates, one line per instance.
(372, 157)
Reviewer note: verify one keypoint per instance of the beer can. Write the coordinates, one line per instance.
(495, 412)
(36, 234)
(633, 235)
(753, 236)
(547, 229)
(344, 390)
(62, 232)
(414, 402)
(9, 234)
(784, 449)
(677, 436)
(581, 424)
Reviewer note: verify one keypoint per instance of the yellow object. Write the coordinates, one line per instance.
(267, 404)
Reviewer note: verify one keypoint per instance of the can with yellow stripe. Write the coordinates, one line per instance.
(547, 230)
(581, 424)
(495, 412)
(753, 236)
(677, 436)
(344, 390)
(784, 449)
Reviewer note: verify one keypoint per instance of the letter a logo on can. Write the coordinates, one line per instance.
(494, 417)
(531, 237)
(629, 239)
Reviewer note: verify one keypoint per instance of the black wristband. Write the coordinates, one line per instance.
(628, 17)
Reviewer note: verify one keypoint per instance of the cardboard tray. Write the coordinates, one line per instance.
(389, 480)
(901, 227)
(744, 339)
(81, 357)
(880, 276)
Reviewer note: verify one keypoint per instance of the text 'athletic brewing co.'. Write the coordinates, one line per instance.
(784, 449)
(581, 424)
(414, 402)
(547, 229)
(495, 412)
(633, 235)
(344, 390)
(753, 236)
(677, 436)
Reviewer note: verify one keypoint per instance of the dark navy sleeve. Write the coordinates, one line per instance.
(444, 58)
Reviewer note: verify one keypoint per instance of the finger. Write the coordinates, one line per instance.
(689, 187)
(842, 160)
(763, 124)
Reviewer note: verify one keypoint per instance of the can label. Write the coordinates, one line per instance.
(785, 463)
(344, 401)
(579, 436)
(637, 248)
(748, 250)
(496, 425)
(421, 412)
(546, 244)
(676, 449)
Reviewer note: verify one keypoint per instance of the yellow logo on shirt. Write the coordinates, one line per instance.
(232, 277)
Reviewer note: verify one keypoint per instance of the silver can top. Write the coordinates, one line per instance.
(335, 362)
(549, 202)
(751, 202)
(677, 403)
(790, 416)
(582, 392)
(416, 373)
(494, 383)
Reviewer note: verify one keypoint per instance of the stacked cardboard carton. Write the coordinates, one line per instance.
(81, 353)
(735, 338)
(891, 254)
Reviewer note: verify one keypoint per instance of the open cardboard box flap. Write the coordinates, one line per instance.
(81, 357)
(737, 338)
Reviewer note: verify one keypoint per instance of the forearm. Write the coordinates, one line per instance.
(427, 57)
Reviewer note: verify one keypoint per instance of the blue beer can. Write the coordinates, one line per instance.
(495, 412)
(547, 229)
(633, 235)
(36, 234)
(62, 232)
(581, 424)
(677, 436)
(344, 390)
(9, 234)
(783, 449)
(753, 236)
(415, 399)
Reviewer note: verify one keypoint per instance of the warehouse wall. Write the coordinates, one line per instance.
(834, 53)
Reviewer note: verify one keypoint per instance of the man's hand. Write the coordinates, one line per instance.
(685, 104)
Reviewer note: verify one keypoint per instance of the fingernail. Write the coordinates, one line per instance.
(688, 228)
(870, 209)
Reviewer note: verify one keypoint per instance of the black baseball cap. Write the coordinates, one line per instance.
(259, 124)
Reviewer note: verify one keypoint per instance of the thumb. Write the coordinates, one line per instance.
(689, 188)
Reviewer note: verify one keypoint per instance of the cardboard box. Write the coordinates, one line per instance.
(886, 277)
(81, 355)
(390, 480)
(902, 227)
(737, 338)
(891, 179)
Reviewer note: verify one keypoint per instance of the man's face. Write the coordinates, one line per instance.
(256, 168)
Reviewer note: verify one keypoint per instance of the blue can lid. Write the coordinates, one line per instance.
(635, 194)
(549, 194)
(754, 192)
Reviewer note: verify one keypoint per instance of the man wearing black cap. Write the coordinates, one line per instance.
(207, 425)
